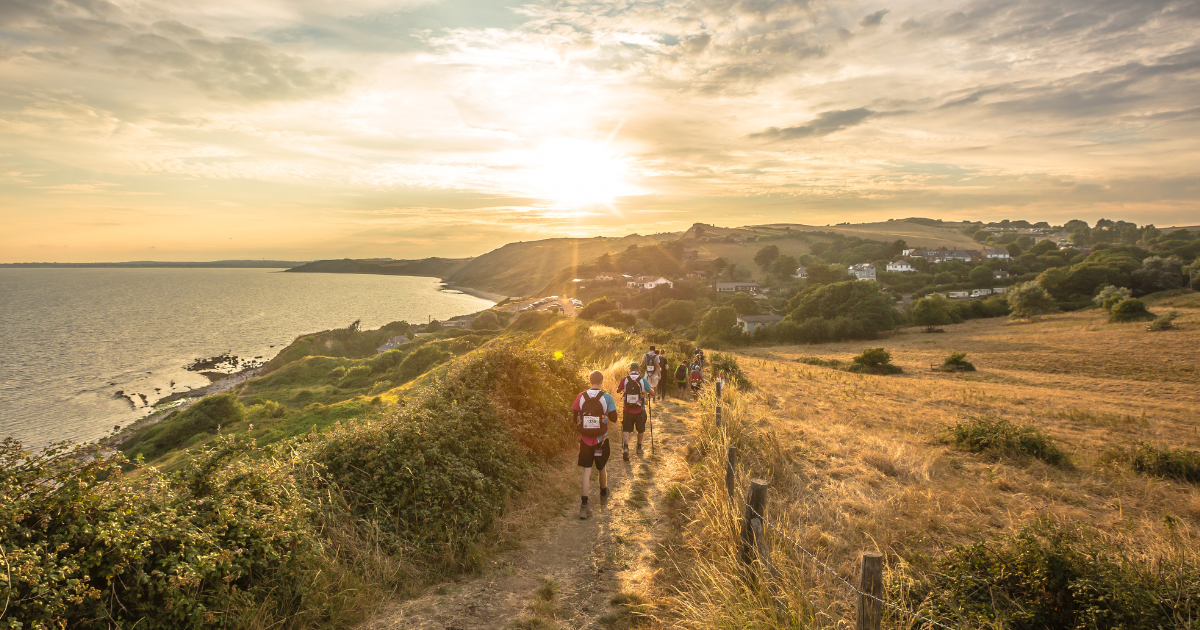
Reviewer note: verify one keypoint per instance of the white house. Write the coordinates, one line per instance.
(391, 344)
(958, 254)
(801, 272)
(751, 323)
(999, 290)
(863, 271)
(737, 287)
(649, 282)
(1002, 254)
(900, 266)
(913, 253)
(1000, 273)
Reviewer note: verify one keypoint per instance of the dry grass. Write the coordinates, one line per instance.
(855, 462)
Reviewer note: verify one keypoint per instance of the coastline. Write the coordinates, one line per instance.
(184, 399)
(487, 295)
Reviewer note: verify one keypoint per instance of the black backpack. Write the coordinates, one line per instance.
(591, 416)
(681, 373)
(633, 387)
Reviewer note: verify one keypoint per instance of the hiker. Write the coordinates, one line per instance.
(634, 389)
(681, 379)
(664, 376)
(594, 409)
(652, 367)
(696, 376)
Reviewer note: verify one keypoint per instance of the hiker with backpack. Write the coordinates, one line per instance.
(652, 367)
(594, 409)
(681, 379)
(664, 377)
(634, 389)
(696, 377)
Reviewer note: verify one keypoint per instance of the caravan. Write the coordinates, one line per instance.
(956, 295)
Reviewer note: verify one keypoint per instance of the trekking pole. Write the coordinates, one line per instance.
(650, 419)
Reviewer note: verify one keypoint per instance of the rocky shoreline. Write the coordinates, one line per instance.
(188, 398)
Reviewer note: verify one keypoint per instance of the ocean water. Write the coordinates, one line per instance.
(70, 339)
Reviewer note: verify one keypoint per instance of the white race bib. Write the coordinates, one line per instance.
(649, 368)
(633, 399)
(591, 422)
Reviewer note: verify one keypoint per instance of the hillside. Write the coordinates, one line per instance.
(436, 267)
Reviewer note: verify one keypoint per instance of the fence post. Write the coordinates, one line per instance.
(756, 506)
(870, 581)
(720, 388)
(730, 466)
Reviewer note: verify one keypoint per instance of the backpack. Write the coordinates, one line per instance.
(591, 416)
(681, 373)
(633, 393)
(697, 373)
(651, 360)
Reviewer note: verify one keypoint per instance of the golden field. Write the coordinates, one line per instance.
(859, 463)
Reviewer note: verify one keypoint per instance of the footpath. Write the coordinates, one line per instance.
(576, 573)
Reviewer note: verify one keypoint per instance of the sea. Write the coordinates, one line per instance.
(79, 347)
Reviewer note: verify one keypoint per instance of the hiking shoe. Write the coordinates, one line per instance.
(584, 512)
(625, 453)
(639, 450)
(604, 499)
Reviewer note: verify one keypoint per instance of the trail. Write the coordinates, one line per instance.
(600, 568)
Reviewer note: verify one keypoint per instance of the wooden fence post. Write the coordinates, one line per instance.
(720, 387)
(756, 507)
(730, 467)
(870, 581)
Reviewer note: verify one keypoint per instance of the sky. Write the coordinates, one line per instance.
(304, 129)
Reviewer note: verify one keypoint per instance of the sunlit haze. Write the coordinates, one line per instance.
(296, 129)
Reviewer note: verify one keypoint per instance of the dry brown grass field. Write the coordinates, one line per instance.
(859, 463)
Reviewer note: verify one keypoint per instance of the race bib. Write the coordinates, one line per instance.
(649, 368)
(633, 399)
(591, 422)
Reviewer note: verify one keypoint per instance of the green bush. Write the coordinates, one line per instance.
(206, 416)
(874, 361)
(1130, 310)
(420, 360)
(720, 362)
(1001, 438)
(1110, 295)
(830, 363)
(1166, 321)
(1051, 575)
(596, 307)
(853, 310)
(1166, 462)
(958, 361)
(533, 321)
(616, 319)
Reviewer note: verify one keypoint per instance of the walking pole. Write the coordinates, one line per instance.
(650, 419)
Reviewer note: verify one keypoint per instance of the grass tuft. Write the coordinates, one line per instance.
(1002, 438)
(1169, 463)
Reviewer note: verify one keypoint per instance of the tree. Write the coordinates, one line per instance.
(1110, 295)
(1130, 310)
(931, 312)
(981, 235)
(766, 256)
(1159, 274)
(982, 276)
(718, 322)
(1014, 250)
(673, 314)
(827, 274)
(434, 326)
(744, 304)
(784, 265)
(1029, 300)
(719, 265)
(1043, 246)
(855, 309)
(596, 307)
(486, 320)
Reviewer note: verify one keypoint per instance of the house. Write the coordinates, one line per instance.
(900, 266)
(462, 322)
(1001, 274)
(1002, 254)
(913, 253)
(604, 277)
(649, 282)
(751, 323)
(801, 272)
(965, 255)
(391, 344)
(863, 271)
(737, 287)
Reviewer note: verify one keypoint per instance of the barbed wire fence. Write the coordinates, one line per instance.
(755, 525)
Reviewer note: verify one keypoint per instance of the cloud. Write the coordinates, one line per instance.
(874, 19)
(824, 124)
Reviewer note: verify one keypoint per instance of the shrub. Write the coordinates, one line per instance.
(206, 416)
(673, 314)
(1051, 575)
(418, 361)
(874, 361)
(931, 312)
(958, 361)
(831, 363)
(1130, 310)
(1110, 295)
(1166, 321)
(1171, 463)
(719, 323)
(720, 362)
(534, 321)
(855, 310)
(1001, 438)
(596, 307)
(616, 319)
(1029, 300)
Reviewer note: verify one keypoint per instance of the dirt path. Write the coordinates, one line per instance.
(576, 573)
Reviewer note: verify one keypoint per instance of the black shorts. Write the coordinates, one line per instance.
(628, 420)
(587, 455)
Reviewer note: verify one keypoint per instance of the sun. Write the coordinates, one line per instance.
(579, 173)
